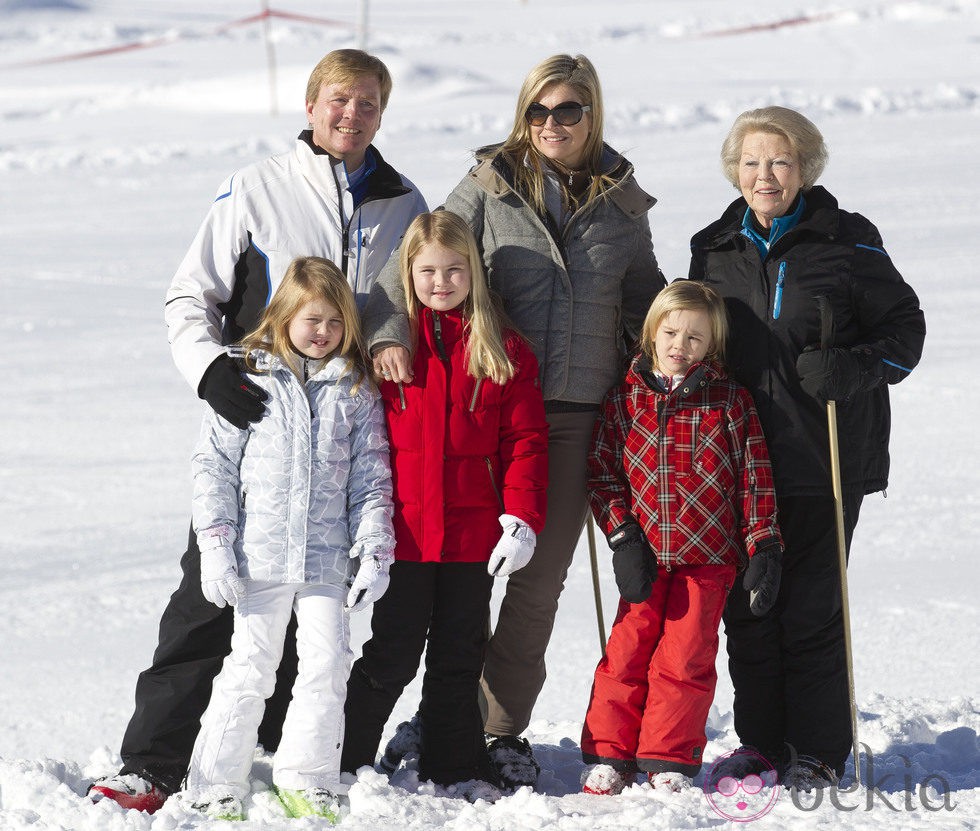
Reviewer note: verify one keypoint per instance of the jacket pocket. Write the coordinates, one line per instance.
(493, 483)
(706, 450)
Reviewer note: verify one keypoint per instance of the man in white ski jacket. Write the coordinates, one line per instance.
(332, 196)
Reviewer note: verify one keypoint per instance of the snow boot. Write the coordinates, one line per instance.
(406, 742)
(129, 791)
(745, 761)
(312, 802)
(474, 790)
(512, 761)
(216, 802)
(806, 773)
(669, 781)
(605, 780)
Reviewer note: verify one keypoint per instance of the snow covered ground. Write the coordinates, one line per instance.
(108, 165)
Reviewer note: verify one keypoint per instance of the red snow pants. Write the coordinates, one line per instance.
(653, 689)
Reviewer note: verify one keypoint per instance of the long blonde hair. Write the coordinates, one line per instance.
(579, 73)
(486, 355)
(307, 279)
(686, 296)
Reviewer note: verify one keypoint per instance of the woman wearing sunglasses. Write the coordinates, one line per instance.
(563, 231)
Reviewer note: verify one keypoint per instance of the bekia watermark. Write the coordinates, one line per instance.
(743, 786)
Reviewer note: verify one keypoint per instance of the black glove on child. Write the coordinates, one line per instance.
(634, 565)
(761, 579)
(829, 374)
(230, 394)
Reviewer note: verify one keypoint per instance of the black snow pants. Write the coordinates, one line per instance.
(789, 668)
(442, 608)
(172, 695)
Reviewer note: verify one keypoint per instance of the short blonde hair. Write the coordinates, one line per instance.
(801, 133)
(686, 296)
(307, 279)
(345, 67)
(485, 344)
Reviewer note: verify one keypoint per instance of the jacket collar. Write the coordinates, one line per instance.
(780, 225)
(331, 370)
(447, 327)
(820, 215)
(379, 181)
(698, 376)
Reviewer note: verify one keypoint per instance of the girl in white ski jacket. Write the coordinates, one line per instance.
(286, 513)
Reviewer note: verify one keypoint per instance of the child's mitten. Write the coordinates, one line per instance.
(514, 548)
(220, 582)
(370, 582)
(633, 562)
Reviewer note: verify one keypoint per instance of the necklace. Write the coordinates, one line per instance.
(566, 171)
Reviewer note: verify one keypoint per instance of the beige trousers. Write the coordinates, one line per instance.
(514, 671)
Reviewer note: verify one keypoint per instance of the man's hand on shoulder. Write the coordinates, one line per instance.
(230, 394)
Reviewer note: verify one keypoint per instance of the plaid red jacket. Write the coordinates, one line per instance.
(690, 465)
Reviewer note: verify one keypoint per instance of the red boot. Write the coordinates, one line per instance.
(130, 791)
(605, 780)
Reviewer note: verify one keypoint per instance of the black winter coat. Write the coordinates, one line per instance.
(876, 315)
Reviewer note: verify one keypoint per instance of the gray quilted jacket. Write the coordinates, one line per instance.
(579, 294)
(304, 483)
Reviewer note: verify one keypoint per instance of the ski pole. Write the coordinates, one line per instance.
(826, 342)
(590, 531)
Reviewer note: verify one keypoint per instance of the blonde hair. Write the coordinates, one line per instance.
(307, 280)
(345, 67)
(687, 296)
(801, 133)
(486, 355)
(579, 73)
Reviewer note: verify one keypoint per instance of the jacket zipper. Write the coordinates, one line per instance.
(777, 305)
(437, 330)
(493, 484)
(661, 435)
(476, 392)
(695, 439)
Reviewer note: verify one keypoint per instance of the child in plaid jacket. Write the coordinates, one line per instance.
(680, 483)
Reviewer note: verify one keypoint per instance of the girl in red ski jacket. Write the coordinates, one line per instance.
(469, 464)
(680, 483)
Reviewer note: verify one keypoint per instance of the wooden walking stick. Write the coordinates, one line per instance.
(826, 342)
(590, 531)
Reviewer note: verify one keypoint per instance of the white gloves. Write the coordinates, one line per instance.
(515, 547)
(219, 569)
(371, 579)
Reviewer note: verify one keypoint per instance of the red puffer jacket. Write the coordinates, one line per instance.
(463, 451)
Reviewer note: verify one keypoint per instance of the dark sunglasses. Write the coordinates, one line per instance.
(567, 113)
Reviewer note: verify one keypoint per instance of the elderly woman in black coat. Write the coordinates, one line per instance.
(779, 253)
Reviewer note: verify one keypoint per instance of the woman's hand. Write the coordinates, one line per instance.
(393, 363)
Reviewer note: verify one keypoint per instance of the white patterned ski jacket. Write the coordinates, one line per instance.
(304, 483)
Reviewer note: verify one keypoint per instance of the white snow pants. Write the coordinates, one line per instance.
(313, 732)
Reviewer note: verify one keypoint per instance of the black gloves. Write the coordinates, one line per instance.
(634, 564)
(230, 394)
(830, 374)
(761, 579)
